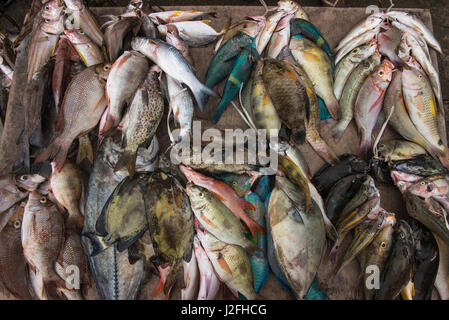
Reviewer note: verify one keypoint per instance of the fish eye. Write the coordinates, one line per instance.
(23, 177)
(17, 224)
(419, 76)
(355, 50)
(402, 235)
(47, 7)
(81, 32)
(234, 183)
(383, 244)
(201, 194)
(43, 200)
(106, 67)
(381, 73)
(423, 183)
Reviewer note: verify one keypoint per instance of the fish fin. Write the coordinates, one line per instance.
(85, 150)
(126, 243)
(97, 242)
(108, 123)
(251, 248)
(255, 228)
(128, 160)
(219, 111)
(245, 205)
(364, 149)
(223, 264)
(199, 91)
(333, 107)
(57, 151)
(163, 273)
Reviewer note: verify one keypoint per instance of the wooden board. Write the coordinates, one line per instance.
(334, 23)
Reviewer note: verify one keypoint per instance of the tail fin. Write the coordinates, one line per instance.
(163, 273)
(333, 106)
(224, 102)
(128, 160)
(98, 245)
(199, 91)
(85, 150)
(56, 151)
(365, 145)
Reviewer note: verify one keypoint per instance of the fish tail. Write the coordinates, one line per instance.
(85, 150)
(219, 111)
(365, 146)
(200, 92)
(163, 273)
(108, 123)
(97, 242)
(128, 160)
(56, 151)
(333, 106)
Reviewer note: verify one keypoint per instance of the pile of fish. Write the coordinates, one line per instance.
(93, 201)
(384, 63)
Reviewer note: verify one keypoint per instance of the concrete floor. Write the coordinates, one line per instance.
(439, 11)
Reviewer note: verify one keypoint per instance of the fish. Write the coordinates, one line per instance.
(142, 120)
(191, 279)
(328, 175)
(435, 187)
(280, 37)
(193, 33)
(42, 237)
(14, 188)
(316, 64)
(14, 276)
(7, 73)
(86, 20)
(171, 223)
(398, 269)
(173, 38)
(209, 283)
(349, 63)
(148, 28)
(125, 76)
(369, 23)
(115, 277)
(263, 188)
(413, 22)
(376, 254)
(288, 95)
(421, 106)
(239, 75)
(396, 149)
(171, 61)
(227, 196)
(178, 16)
(216, 218)
(399, 120)
(369, 103)
(82, 107)
(388, 42)
(241, 183)
(117, 33)
(422, 165)
(67, 187)
(299, 239)
(341, 193)
(367, 37)
(230, 262)
(351, 90)
(310, 31)
(44, 38)
(269, 27)
(88, 51)
(72, 255)
(122, 218)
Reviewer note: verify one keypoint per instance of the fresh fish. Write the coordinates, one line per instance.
(369, 23)
(191, 279)
(422, 108)
(230, 263)
(216, 218)
(241, 183)
(14, 188)
(344, 68)
(173, 64)
(270, 26)
(117, 33)
(367, 37)
(142, 120)
(435, 187)
(388, 42)
(299, 238)
(280, 38)
(86, 20)
(351, 90)
(209, 283)
(193, 33)
(423, 165)
(165, 17)
(310, 31)
(369, 103)
(42, 238)
(263, 188)
(125, 76)
(173, 38)
(413, 22)
(318, 68)
(148, 28)
(398, 270)
(239, 75)
(171, 224)
(123, 218)
(67, 187)
(88, 51)
(83, 105)
(395, 149)
(226, 195)
(14, 271)
(288, 95)
(328, 175)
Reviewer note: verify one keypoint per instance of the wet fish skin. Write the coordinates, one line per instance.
(395, 149)
(191, 279)
(83, 105)
(351, 90)
(126, 75)
(171, 61)
(14, 188)
(173, 38)
(177, 16)
(209, 283)
(398, 268)
(369, 103)
(442, 277)
(389, 40)
(88, 51)
(280, 38)
(193, 33)
(269, 27)
(250, 26)
(370, 35)
(422, 165)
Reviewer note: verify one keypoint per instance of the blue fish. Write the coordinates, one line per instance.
(314, 293)
(263, 188)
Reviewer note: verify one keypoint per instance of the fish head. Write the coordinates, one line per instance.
(385, 72)
(163, 29)
(404, 235)
(287, 5)
(384, 239)
(74, 4)
(15, 221)
(197, 194)
(29, 182)
(52, 10)
(54, 27)
(194, 176)
(413, 79)
(103, 70)
(76, 36)
(38, 202)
